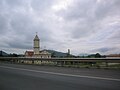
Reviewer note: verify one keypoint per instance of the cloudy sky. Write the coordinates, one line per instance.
(83, 26)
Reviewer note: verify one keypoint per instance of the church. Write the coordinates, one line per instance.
(36, 50)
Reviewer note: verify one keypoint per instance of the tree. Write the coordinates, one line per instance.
(97, 55)
(53, 54)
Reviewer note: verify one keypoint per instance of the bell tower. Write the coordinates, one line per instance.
(36, 45)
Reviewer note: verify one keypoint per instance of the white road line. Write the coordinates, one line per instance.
(62, 74)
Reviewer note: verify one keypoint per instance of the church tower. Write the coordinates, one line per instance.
(36, 45)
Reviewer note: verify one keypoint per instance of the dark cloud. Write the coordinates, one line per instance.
(106, 8)
(41, 5)
(3, 24)
(104, 50)
(81, 24)
(86, 16)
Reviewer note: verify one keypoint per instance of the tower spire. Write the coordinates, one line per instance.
(36, 37)
(36, 44)
(36, 33)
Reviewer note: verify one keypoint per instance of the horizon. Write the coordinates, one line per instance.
(83, 26)
(81, 54)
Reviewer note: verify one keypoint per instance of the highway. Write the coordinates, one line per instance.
(31, 77)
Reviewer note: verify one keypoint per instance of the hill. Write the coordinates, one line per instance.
(3, 54)
(57, 53)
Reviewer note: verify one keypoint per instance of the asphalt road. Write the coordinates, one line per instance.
(29, 77)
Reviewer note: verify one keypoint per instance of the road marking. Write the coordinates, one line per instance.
(62, 74)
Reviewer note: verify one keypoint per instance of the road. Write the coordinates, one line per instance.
(30, 77)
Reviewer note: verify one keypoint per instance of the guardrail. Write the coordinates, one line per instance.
(36, 58)
(60, 61)
(63, 59)
(111, 60)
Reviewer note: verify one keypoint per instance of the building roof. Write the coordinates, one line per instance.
(36, 37)
(29, 53)
(113, 55)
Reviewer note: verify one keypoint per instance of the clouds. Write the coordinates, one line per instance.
(84, 26)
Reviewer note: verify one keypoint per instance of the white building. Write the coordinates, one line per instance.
(36, 50)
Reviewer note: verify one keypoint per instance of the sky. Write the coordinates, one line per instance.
(83, 26)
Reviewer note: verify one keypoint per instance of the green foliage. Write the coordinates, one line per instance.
(13, 55)
(97, 55)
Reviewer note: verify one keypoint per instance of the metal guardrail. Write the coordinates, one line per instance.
(72, 62)
(111, 60)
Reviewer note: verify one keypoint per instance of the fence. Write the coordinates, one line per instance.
(76, 62)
